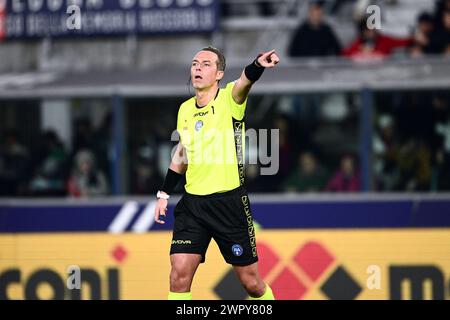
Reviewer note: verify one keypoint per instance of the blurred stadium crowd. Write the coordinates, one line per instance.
(318, 133)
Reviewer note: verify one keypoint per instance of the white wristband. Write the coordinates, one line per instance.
(161, 195)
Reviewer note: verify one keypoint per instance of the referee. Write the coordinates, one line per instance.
(211, 154)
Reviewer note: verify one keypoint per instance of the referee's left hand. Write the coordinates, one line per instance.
(268, 59)
(160, 211)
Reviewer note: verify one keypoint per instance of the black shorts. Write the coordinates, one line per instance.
(226, 217)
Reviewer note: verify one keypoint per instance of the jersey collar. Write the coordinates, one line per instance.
(198, 107)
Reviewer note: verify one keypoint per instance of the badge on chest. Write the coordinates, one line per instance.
(198, 125)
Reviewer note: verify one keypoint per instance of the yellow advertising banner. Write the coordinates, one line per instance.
(298, 264)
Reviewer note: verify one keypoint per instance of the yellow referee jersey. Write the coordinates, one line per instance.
(214, 138)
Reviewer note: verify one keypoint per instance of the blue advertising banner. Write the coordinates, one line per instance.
(21, 19)
(137, 216)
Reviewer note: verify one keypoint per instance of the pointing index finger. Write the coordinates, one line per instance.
(271, 52)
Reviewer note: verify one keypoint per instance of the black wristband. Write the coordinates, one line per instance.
(171, 181)
(254, 71)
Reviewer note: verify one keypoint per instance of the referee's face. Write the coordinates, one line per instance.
(204, 73)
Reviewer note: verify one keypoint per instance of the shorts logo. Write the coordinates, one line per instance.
(237, 250)
(198, 125)
(181, 242)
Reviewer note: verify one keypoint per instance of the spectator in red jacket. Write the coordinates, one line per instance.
(346, 179)
(372, 45)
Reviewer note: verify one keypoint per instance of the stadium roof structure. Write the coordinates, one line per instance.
(292, 76)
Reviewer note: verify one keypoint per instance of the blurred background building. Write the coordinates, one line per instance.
(357, 109)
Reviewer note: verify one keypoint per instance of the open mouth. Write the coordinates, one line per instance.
(198, 78)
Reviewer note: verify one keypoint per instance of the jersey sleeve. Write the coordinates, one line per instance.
(237, 110)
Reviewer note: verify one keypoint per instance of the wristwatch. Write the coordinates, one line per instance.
(161, 195)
